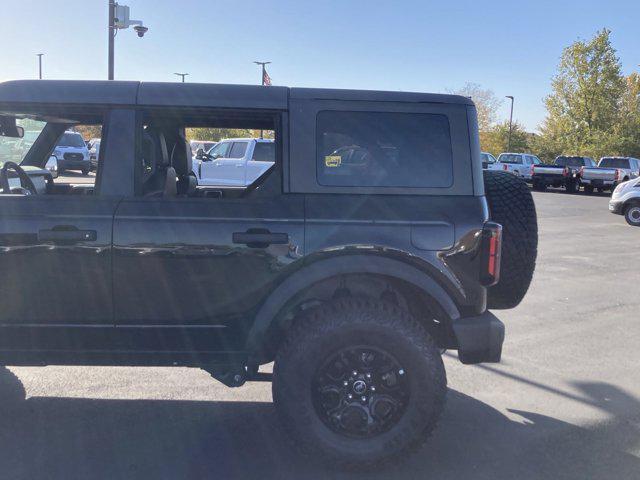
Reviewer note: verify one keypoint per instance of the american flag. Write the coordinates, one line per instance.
(266, 79)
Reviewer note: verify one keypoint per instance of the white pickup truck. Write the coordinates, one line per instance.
(235, 162)
(520, 164)
(609, 173)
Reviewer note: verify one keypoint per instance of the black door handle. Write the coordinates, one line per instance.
(260, 238)
(67, 234)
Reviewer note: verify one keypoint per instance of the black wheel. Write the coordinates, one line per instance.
(358, 383)
(539, 186)
(632, 215)
(511, 205)
(61, 171)
(571, 187)
(85, 171)
(600, 190)
(588, 189)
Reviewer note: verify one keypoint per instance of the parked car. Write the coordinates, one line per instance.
(352, 284)
(72, 153)
(520, 164)
(565, 172)
(609, 172)
(235, 162)
(625, 200)
(94, 152)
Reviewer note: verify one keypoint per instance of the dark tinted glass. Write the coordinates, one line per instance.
(509, 158)
(572, 161)
(264, 152)
(368, 149)
(238, 150)
(614, 163)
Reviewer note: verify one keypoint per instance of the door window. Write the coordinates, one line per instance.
(238, 150)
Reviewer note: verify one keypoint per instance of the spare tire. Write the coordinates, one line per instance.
(511, 205)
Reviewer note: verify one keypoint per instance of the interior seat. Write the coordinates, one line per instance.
(182, 163)
(158, 177)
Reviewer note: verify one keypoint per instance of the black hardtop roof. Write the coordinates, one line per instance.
(103, 92)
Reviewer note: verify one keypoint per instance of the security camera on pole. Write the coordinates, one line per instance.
(119, 20)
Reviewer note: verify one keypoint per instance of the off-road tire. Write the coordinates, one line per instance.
(539, 186)
(588, 189)
(511, 205)
(358, 322)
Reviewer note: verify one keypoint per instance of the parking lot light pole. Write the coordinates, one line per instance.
(510, 122)
(39, 55)
(182, 75)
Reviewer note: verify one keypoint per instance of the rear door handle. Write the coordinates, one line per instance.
(260, 238)
(67, 234)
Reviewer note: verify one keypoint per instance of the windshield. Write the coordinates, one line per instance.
(570, 161)
(15, 149)
(71, 140)
(614, 163)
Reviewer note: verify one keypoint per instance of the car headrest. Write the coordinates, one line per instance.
(181, 156)
(154, 148)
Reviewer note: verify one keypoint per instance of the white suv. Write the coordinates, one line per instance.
(235, 162)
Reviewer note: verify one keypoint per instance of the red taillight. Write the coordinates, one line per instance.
(617, 177)
(565, 172)
(533, 169)
(581, 172)
(491, 253)
(505, 167)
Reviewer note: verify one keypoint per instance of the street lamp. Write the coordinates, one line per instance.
(182, 75)
(39, 55)
(119, 20)
(510, 122)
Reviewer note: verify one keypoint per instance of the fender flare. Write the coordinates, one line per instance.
(321, 270)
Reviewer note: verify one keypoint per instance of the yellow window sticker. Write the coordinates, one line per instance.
(333, 160)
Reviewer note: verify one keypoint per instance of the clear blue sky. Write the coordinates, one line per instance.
(511, 47)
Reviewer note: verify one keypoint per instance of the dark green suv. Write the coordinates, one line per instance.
(373, 244)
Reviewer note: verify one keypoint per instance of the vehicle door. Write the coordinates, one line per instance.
(196, 267)
(55, 248)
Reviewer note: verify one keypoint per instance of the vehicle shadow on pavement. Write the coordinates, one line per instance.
(73, 438)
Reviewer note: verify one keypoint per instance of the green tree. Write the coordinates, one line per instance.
(496, 139)
(583, 110)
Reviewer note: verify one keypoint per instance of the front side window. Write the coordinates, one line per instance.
(376, 149)
(220, 150)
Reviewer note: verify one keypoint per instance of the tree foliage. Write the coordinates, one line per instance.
(487, 104)
(496, 139)
(591, 108)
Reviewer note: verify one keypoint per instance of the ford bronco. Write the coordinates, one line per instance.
(373, 243)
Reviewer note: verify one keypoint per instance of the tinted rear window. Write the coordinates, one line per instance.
(571, 161)
(614, 163)
(370, 149)
(510, 158)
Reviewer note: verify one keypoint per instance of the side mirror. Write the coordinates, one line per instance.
(200, 153)
(8, 128)
(52, 165)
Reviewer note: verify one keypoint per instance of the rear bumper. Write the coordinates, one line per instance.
(598, 182)
(479, 338)
(73, 164)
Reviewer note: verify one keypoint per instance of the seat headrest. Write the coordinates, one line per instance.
(154, 148)
(181, 158)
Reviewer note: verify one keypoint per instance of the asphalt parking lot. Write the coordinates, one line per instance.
(563, 404)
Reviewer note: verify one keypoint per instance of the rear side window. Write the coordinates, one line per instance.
(238, 150)
(264, 152)
(376, 149)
